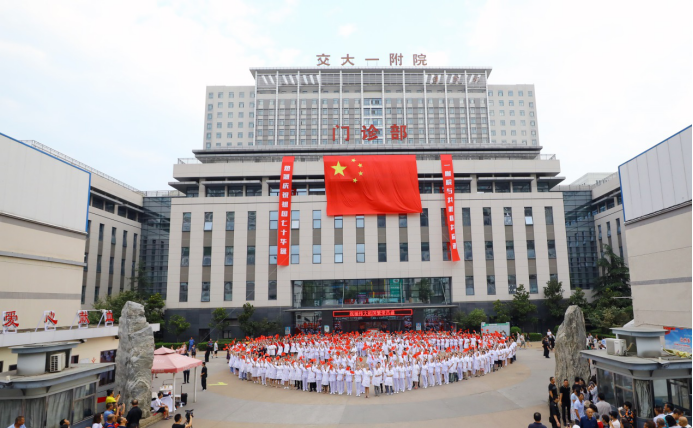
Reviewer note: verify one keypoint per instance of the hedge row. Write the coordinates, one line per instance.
(200, 346)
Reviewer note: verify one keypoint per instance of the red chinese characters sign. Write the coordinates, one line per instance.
(449, 195)
(10, 321)
(284, 226)
(373, 313)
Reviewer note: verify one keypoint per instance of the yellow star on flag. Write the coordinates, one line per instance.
(339, 169)
(355, 180)
(360, 172)
(353, 160)
(360, 165)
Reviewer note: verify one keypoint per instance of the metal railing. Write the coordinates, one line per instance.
(606, 179)
(77, 163)
(162, 193)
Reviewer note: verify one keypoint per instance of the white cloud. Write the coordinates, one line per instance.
(346, 30)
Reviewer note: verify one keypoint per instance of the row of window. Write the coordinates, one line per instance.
(113, 235)
(608, 228)
(110, 206)
(208, 136)
(230, 125)
(206, 291)
(511, 93)
(375, 102)
(377, 112)
(230, 95)
(361, 253)
(360, 219)
(510, 113)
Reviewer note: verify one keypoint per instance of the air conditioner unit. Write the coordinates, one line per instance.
(615, 346)
(56, 363)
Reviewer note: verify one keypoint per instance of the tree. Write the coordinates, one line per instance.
(153, 306)
(220, 321)
(140, 283)
(154, 309)
(578, 298)
(424, 291)
(615, 275)
(553, 295)
(244, 319)
(178, 325)
(502, 311)
(522, 308)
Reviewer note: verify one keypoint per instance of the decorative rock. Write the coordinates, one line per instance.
(570, 340)
(135, 357)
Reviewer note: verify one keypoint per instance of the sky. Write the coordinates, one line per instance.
(120, 85)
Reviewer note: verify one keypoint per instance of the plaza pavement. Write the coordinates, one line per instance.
(507, 398)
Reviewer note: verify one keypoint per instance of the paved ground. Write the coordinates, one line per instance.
(507, 398)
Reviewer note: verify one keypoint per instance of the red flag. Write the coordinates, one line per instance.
(375, 184)
(284, 223)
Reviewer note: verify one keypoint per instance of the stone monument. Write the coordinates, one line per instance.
(135, 358)
(570, 340)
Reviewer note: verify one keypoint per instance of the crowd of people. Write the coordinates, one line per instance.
(352, 363)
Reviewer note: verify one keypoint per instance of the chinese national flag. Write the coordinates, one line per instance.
(378, 184)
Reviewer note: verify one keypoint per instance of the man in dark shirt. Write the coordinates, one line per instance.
(537, 421)
(564, 401)
(134, 415)
(554, 414)
(204, 377)
(553, 391)
(178, 422)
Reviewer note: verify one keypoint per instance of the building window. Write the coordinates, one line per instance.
(608, 229)
(251, 220)
(230, 220)
(531, 254)
(250, 256)
(528, 216)
(484, 187)
(491, 285)
(533, 285)
(209, 217)
(360, 222)
(187, 219)
(207, 256)
(250, 290)
(183, 292)
(447, 256)
(382, 252)
(512, 284)
(502, 187)
(508, 216)
(548, 211)
(216, 191)
(338, 222)
(510, 250)
(469, 285)
(273, 219)
(381, 221)
(185, 256)
(402, 220)
(360, 253)
(273, 254)
(113, 235)
(423, 218)
(125, 238)
(295, 219)
(228, 291)
(466, 217)
(468, 250)
(425, 252)
(101, 232)
(228, 256)
(317, 222)
(272, 290)
(404, 252)
(489, 250)
(110, 266)
(204, 297)
(487, 216)
(317, 253)
(338, 253)
(618, 226)
(552, 248)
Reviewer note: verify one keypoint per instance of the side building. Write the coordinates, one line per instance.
(112, 247)
(593, 220)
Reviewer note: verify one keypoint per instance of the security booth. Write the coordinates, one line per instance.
(636, 371)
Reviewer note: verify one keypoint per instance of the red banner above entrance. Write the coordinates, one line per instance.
(373, 313)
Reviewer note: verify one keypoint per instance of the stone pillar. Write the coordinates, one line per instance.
(135, 358)
(570, 340)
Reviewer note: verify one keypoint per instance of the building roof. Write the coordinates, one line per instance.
(77, 371)
(372, 69)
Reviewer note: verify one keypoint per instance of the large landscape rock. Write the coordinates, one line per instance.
(570, 340)
(135, 357)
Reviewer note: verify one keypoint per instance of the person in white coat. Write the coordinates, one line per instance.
(366, 379)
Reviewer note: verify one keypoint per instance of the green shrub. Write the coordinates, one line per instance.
(515, 330)
(201, 347)
(535, 337)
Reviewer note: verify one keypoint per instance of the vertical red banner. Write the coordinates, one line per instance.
(449, 194)
(284, 226)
